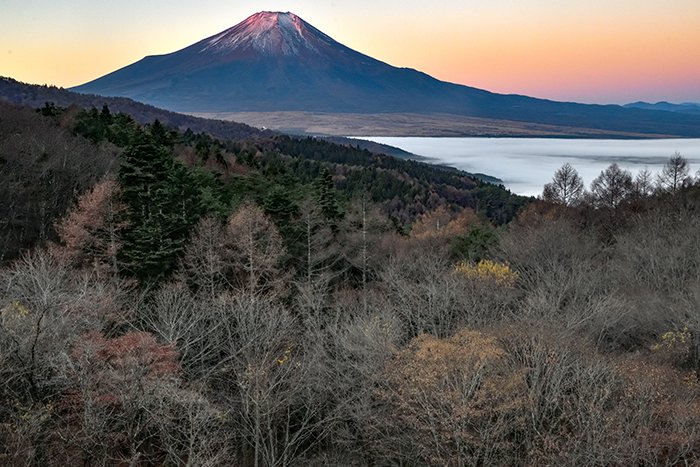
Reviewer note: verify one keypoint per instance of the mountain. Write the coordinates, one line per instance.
(278, 62)
(686, 107)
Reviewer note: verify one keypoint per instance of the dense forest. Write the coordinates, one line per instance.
(169, 298)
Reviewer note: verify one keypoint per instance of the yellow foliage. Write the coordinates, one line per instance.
(17, 307)
(285, 356)
(674, 343)
(488, 270)
(443, 393)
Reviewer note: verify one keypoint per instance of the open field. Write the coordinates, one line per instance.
(408, 124)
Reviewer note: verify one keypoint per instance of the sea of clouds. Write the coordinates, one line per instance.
(526, 164)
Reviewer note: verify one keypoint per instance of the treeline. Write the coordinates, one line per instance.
(42, 169)
(228, 303)
(615, 187)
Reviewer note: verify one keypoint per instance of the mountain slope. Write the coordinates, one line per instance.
(35, 96)
(278, 62)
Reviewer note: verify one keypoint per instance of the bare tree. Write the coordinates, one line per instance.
(429, 296)
(367, 242)
(565, 188)
(320, 260)
(346, 352)
(257, 252)
(45, 308)
(207, 262)
(189, 322)
(674, 174)
(265, 361)
(643, 183)
(612, 187)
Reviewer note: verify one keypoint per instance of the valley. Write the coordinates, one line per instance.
(410, 124)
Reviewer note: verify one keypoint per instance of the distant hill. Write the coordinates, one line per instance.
(35, 96)
(278, 62)
(686, 107)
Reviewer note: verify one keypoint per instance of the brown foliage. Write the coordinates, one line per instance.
(90, 232)
(134, 353)
(42, 166)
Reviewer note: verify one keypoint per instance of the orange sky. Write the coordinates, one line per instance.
(589, 51)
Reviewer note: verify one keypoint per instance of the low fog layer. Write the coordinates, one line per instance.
(526, 164)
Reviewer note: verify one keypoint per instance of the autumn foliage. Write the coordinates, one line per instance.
(90, 234)
(273, 324)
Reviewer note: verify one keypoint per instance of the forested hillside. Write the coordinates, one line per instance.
(31, 95)
(52, 155)
(290, 302)
(43, 166)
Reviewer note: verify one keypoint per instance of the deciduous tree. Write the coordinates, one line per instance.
(611, 187)
(257, 252)
(565, 188)
(91, 232)
(674, 174)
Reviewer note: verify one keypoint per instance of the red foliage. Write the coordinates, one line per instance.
(133, 352)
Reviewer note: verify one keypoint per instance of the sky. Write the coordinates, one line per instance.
(594, 51)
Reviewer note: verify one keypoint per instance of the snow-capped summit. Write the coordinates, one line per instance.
(276, 61)
(270, 59)
(267, 33)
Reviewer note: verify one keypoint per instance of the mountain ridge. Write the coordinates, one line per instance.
(278, 62)
(684, 107)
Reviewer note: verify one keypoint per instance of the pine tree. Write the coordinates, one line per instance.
(163, 201)
(325, 195)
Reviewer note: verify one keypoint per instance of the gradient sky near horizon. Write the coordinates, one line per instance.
(598, 51)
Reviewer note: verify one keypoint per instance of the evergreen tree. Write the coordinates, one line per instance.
(160, 134)
(326, 197)
(279, 205)
(475, 245)
(163, 202)
(106, 115)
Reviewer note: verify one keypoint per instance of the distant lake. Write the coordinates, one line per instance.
(526, 164)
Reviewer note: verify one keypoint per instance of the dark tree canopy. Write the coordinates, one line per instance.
(163, 203)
